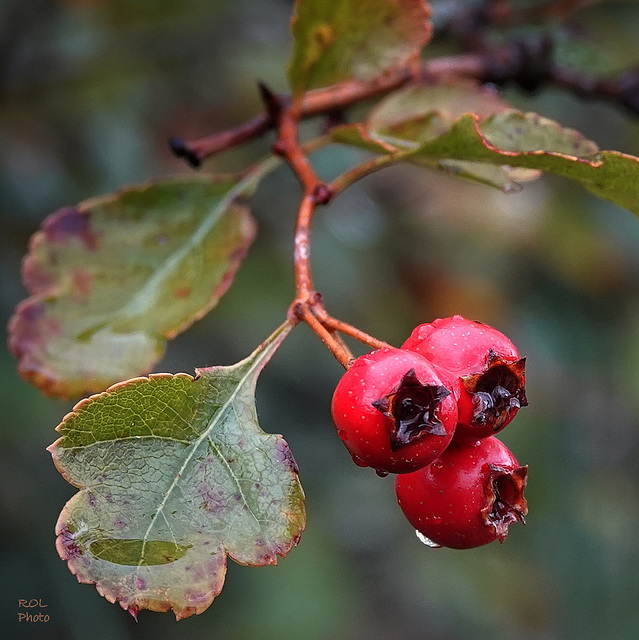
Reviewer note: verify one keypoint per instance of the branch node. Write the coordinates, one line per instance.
(296, 311)
(181, 149)
(322, 194)
(280, 148)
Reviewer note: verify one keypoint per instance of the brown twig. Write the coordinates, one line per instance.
(195, 151)
(315, 192)
(301, 252)
(308, 305)
(330, 99)
(287, 146)
(528, 63)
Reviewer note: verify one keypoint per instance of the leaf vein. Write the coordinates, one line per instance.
(215, 419)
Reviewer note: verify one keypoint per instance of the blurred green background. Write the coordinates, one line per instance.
(89, 92)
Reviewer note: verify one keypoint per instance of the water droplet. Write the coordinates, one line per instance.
(512, 187)
(427, 541)
(358, 461)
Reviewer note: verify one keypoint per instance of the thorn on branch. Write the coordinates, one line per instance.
(272, 102)
(334, 118)
(182, 150)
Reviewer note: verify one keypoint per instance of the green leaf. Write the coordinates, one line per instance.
(175, 473)
(115, 277)
(354, 39)
(530, 141)
(422, 113)
(403, 110)
(510, 140)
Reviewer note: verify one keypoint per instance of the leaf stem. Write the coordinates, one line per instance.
(360, 171)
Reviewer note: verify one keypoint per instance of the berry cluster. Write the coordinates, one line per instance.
(428, 412)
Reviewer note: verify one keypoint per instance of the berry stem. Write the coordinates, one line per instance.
(354, 332)
(308, 306)
(302, 311)
(302, 249)
(315, 192)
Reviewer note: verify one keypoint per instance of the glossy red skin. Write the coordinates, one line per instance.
(444, 501)
(366, 431)
(461, 347)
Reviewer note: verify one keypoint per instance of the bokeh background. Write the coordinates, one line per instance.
(89, 92)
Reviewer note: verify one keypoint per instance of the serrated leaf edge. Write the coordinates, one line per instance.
(246, 185)
(260, 356)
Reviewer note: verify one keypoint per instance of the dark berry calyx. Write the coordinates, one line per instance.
(498, 392)
(505, 502)
(412, 406)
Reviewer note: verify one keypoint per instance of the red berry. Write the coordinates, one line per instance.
(468, 497)
(393, 411)
(489, 371)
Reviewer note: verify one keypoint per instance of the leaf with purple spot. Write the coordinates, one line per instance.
(175, 474)
(115, 277)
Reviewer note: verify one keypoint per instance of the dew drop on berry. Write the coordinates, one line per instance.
(358, 461)
(427, 541)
